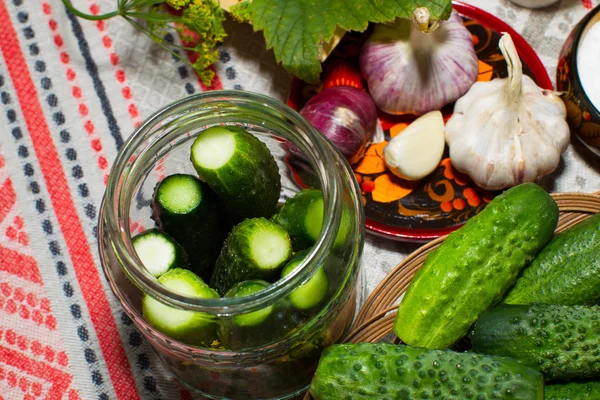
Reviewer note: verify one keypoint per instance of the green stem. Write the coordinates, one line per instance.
(90, 17)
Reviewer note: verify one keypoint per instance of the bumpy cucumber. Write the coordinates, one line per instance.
(196, 328)
(388, 371)
(572, 391)
(313, 291)
(567, 270)
(187, 209)
(159, 252)
(563, 342)
(240, 169)
(255, 249)
(474, 266)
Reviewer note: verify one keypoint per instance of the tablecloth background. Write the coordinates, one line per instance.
(71, 92)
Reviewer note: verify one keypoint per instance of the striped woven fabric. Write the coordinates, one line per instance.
(71, 93)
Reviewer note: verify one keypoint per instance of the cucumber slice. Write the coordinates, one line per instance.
(240, 169)
(255, 249)
(247, 288)
(187, 209)
(259, 327)
(159, 252)
(312, 292)
(191, 327)
(302, 217)
(179, 195)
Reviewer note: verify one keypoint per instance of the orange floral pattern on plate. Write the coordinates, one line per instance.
(390, 188)
(373, 161)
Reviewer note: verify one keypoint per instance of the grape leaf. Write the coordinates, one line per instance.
(297, 29)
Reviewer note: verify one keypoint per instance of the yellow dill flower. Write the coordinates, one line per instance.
(177, 4)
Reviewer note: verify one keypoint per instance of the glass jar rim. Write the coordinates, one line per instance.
(114, 216)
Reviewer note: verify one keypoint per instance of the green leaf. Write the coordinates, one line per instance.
(297, 29)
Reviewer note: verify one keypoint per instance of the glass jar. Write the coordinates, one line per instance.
(278, 362)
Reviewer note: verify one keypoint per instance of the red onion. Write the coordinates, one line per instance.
(345, 115)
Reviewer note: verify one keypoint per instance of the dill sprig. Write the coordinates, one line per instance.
(199, 23)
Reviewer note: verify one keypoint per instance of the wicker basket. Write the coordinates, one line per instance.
(377, 314)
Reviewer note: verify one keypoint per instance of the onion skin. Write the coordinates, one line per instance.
(409, 71)
(345, 115)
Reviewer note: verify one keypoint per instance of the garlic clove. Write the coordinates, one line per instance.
(417, 150)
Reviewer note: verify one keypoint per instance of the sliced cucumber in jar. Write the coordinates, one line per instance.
(179, 197)
(240, 169)
(255, 249)
(187, 209)
(248, 288)
(159, 252)
(191, 327)
(251, 329)
(313, 291)
(259, 327)
(302, 217)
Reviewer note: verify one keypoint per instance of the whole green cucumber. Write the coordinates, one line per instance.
(474, 266)
(388, 371)
(572, 391)
(567, 270)
(562, 342)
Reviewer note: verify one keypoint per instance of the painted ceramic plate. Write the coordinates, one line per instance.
(446, 199)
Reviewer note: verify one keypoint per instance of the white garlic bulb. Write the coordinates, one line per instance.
(507, 131)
